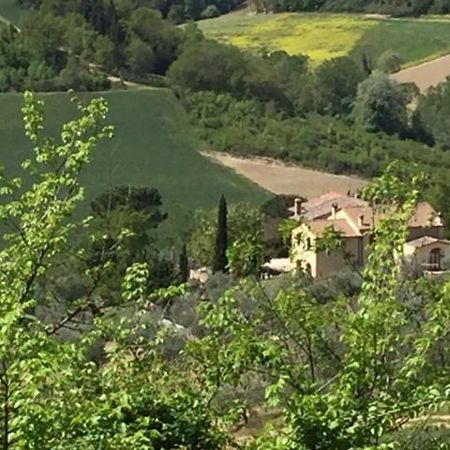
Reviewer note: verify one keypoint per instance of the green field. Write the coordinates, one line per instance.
(324, 36)
(10, 11)
(153, 147)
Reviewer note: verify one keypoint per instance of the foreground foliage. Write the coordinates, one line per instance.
(53, 394)
(345, 371)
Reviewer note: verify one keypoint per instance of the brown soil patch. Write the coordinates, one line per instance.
(427, 74)
(282, 179)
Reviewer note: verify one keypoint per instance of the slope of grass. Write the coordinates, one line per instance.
(153, 147)
(415, 40)
(323, 36)
(10, 11)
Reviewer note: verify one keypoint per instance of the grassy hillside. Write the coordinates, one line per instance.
(10, 11)
(323, 36)
(153, 147)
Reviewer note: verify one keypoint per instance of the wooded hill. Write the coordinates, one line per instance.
(392, 7)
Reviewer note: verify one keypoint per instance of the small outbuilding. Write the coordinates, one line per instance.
(427, 254)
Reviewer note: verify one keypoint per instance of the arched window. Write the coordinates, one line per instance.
(435, 258)
(308, 244)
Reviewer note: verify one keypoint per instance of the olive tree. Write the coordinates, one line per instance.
(380, 105)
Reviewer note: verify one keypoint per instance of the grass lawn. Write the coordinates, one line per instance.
(415, 41)
(10, 11)
(153, 147)
(324, 36)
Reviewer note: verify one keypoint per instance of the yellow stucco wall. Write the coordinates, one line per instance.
(321, 264)
(301, 256)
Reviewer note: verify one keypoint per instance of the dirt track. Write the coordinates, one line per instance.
(427, 74)
(282, 179)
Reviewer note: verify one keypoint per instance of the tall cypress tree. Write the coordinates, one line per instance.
(183, 265)
(220, 261)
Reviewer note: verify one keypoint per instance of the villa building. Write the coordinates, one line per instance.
(354, 219)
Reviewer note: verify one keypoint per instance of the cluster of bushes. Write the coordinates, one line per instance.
(393, 7)
(434, 112)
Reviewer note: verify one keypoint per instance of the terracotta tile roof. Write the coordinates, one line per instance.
(426, 240)
(318, 227)
(369, 218)
(318, 211)
(328, 197)
(424, 216)
(321, 206)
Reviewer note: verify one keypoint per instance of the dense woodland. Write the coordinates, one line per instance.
(397, 8)
(180, 11)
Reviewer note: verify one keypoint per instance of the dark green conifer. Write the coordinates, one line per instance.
(220, 261)
(183, 265)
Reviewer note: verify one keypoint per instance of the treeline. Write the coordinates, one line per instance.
(99, 12)
(397, 8)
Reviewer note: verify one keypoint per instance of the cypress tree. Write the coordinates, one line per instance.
(220, 261)
(366, 64)
(183, 265)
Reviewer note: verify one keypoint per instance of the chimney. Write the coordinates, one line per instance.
(361, 221)
(298, 207)
(334, 210)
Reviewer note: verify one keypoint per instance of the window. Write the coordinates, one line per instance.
(435, 259)
(308, 244)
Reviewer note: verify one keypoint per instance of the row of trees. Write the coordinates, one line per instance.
(101, 13)
(282, 80)
(393, 7)
(344, 374)
(180, 11)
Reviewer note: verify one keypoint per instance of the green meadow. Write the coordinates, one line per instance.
(10, 11)
(153, 147)
(324, 36)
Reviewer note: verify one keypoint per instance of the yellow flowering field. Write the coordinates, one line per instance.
(319, 36)
(323, 36)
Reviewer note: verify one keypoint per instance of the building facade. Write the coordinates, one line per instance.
(354, 219)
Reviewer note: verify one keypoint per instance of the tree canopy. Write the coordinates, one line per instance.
(380, 105)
